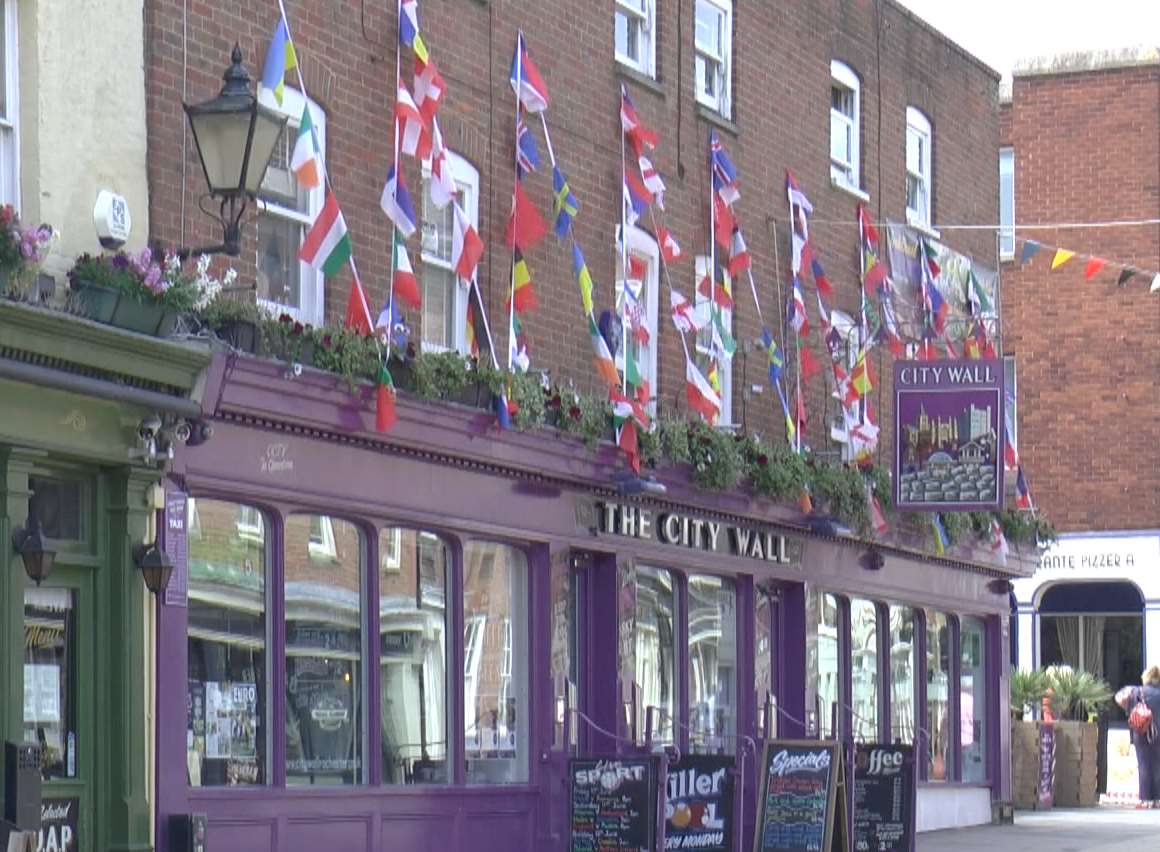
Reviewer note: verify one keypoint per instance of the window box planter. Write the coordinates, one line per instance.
(112, 307)
(242, 335)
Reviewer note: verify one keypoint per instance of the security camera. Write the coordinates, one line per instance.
(182, 431)
(200, 432)
(148, 428)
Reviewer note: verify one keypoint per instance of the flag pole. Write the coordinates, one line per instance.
(797, 338)
(548, 140)
(623, 248)
(515, 189)
(395, 189)
(712, 269)
(863, 334)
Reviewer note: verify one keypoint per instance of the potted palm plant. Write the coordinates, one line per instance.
(1076, 698)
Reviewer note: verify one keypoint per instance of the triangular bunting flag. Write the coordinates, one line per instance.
(1092, 267)
(384, 401)
(358, 310)
(1030, 249)
(525, 226)
(1062, 256)
(1126, 273)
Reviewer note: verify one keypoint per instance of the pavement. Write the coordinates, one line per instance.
(1079, 830)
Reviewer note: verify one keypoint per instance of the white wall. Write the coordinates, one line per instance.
(82, 115)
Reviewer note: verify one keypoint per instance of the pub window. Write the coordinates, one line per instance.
(902, 660)
(823, 661)
(324, 673)
(712, 664)
(495, 677)
(864, 669)
(10, 110)
(50, 678)
(973, 699)
(226, 740)
(764, 673)
(653, 641)
(938, 680)
(413, 657)
(565, 653)
(59, 506)
(636, 297)
(443, 316)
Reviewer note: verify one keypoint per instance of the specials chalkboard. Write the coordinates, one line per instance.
(884, 791)
(613, 805)
(699, 803)
(803, 798)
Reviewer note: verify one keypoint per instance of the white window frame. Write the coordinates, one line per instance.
(641, 244)
(646, 22)
(847, 175)
(466, 179)
(324, 548)
(249, 523)
(312, 283)
(391, 557)
(723, 102)
(10, 123)
(1007, 231)
(918, 129)
(724, 367)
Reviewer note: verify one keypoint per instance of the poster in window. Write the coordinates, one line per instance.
(217, 720)
(58, 825)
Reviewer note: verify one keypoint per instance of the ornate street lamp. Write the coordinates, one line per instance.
(235, 137)
(156, 566)
(35, 550)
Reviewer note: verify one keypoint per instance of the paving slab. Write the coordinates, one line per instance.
(1078, 830)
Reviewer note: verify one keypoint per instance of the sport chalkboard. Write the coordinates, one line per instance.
(884, 791)
(613, 805)
(803, 798)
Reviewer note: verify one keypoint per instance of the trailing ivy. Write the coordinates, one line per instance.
(840, 491)
(776, 471)
(589, 418)
(440, 375)
(715, 456)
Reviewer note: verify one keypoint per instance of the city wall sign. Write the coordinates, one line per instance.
(683, 530)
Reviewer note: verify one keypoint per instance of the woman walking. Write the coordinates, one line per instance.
(1145, 739)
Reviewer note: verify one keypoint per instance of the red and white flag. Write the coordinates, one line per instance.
(739, 259)
(670, 248)
(466, 246)
(700, 394)
(414, 138)
(442, 183)
(429, 89)
(652, 181)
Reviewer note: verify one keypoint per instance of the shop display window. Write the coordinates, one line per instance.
(653, 618)
(938, 679)
(902, 670)
(565, 655)
(495, 656)
(764, 684)
(824, 660)
(322, 581)
(973, 699)
(226, 741)
(50, 677)
(712, 664)
(413, 573)
(864, 669)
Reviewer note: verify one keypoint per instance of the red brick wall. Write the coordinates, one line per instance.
(1087, 148)
(781, 84)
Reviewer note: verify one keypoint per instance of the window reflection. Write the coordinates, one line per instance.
(323, 587)
(902, 674)
(864, 663)
(763, 670)
(654, 612)
(823, 686)
(495, 677)
(225, 730)
(973, 699)
(413, 647)
(938, 661)
(712, 663)
(49, 676)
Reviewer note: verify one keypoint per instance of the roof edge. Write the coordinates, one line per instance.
(1082, 61)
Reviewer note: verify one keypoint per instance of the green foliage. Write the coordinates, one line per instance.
(228, 308)
(527, 392)
(774, 471)
(957, 525)
(440, 375)
(1026, 527)
(139, 277)
(1028, 688)
(348, 353)
(842, 491)
(587, 417)
(1076, 695)
(673, 434)
(288, 339)
(879, 479)
(715, 456)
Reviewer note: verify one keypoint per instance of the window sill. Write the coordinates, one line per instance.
(715, 118)
(1007, 258)
(635, 75)
(925, 230)
(850, 190)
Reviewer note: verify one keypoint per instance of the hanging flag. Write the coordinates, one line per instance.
(670, 249)
(926, 351)
(724, 222)
(719, 295)
(583, 277)
(406, 286)
(305, 161)
(931, 256)
(976, 296)
(1030, 249)
(723, 343)
(429, 89)
(1092, 267)
(637, 197)
(605, 365)
(358, 310)
(652, 181)
(521, 359)
(1155, 284)
(414, 137)
(526, 80)
(739, 259)
(525, 296)
(941, 539)
(564, 203)
(527, 156)
(1126, 273)
(396, 203)
(280, 58)
(724, 173)
(466, 246)
(469, 329)
(800, 416)
(860, 379)
(800, 209)
(998, 541)
(776, 360)
(639, 137)
(809, 364)
(409, 29)
(825, 288)
(525, 226)
(442, 183)
(877, 518)
(890, 325)
(327, 244)
(686, 316)
(797, 310)
(637, 267)
(700, 394)
(624, 418)
(1022, 492)
(391, 326)
(503, 410)
(1061, 257)
(384, 401)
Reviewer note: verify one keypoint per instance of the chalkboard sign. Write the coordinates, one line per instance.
(699, 803)
(1046, 786)
(803, 798)
(613, 805)
(884, 791)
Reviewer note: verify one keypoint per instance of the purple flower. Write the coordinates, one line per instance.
(120, 261)
(153, 279)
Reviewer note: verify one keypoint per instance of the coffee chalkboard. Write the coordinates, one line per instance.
(884, 791)
(803, 797)
(699, 803)
(613, 805)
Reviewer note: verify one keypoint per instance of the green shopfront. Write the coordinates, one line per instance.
(87, 413)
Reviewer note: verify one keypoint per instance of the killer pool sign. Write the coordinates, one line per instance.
(948, 434)
(699, 803)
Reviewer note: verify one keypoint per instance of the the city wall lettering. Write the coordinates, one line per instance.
(694, 533)
(956, 374)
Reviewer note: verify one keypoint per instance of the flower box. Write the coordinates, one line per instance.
(110, 306)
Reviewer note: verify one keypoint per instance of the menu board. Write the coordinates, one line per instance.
(884, 791)
(1046, 785)
(699, 803)
(613, 805)
(803, 797)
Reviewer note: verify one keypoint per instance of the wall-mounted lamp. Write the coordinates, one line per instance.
(1000, 586)
(35, 550)
(873, 560)
(155, 565)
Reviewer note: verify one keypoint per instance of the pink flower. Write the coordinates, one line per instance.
(153, 279)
